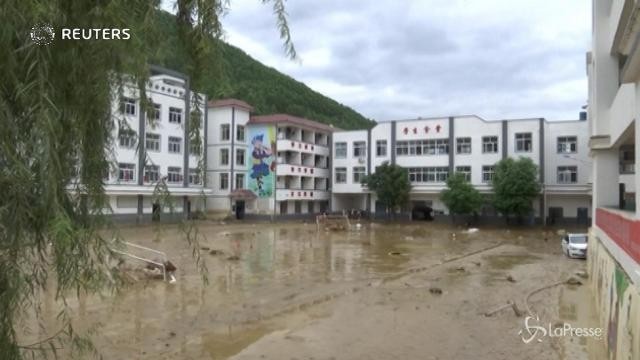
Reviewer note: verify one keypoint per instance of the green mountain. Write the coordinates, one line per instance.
(240, 76)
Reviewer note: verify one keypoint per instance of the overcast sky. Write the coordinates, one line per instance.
(396, 59)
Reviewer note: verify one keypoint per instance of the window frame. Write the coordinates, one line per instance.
(564, 172)
(146, 142)
(244, 157)
(151, 169)
(359, 146)
(239, 176)
(562, 141)
(381, 145)
(174, 175)
(338, 146)
(463, 145)
(240, 129)
(488, 169)
(521, 140)
(225, 132)
(176, 143)
(223, 179)
(224, 151)
(489, 141)
(466, 173)
(174, 113)
(341, 171)
(361, 172)
(130, 167)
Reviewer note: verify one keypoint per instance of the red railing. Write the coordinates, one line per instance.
(623, 231)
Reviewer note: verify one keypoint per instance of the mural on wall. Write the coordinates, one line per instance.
(262, 165)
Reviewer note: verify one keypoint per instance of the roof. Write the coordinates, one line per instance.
(242, 194)
(293, 120)
(230, 102)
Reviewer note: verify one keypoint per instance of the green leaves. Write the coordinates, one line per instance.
(391, 185)
(460, 196)
(515, 185)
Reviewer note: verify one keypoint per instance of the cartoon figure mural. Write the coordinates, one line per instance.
(261, 178)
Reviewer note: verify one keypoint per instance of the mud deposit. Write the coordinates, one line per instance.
(382, 291)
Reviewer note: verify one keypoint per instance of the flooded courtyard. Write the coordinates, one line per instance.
(375, 291)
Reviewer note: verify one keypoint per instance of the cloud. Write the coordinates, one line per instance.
(399, 59)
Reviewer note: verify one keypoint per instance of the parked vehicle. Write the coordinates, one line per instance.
(575, 245)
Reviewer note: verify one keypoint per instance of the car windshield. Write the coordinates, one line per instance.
(578, 239)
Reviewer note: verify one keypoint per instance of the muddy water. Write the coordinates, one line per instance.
(267, 280)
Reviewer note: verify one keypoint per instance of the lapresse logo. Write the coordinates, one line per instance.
(45, 34)
(535, 331)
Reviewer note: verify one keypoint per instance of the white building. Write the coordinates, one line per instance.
(613, 66)
(155, 146)
(432, 148)
(266, 165)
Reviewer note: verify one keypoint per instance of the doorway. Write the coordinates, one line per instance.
(240, 209)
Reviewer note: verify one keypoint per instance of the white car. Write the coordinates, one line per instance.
(575, 245)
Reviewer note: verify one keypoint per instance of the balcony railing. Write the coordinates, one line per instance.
(623, 228)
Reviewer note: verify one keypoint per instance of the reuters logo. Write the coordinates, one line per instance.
(42, 34)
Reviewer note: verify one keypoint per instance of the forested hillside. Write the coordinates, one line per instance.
(267, 90)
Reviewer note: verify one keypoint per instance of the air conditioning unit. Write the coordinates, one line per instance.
(361, 160)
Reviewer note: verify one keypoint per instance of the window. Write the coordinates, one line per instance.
(465, 170)
(154, 112)
(128, 106)
(174, 144)
(174, 175)
(126, 172)
(523, 142)
(402, 148)
(422, 147)
(240, 133)
(194, 177)
(487, 173)
(428, 174)
(359, 149)
(463, 145)
(195, 149)
(151, 173)
(240, 157)
(567, 174)
(152, 142)
(381, 148)
(358, 174)
(225, 134)
(341, 175)
(567, 144)
(627, 158)
(341, 150)
(175, 115)
(224, 181)
(239, 181)
(489, 144)
(224, 156)
(127, 138)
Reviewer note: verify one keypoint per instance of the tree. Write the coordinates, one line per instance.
(391, 185)
(515, 186)
(55, 116)
(460, 197)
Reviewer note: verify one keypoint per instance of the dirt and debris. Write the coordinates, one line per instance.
(387, 291)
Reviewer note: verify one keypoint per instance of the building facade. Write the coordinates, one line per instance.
(613, 66)
(433, 148)
(266, 165)
(162, 145)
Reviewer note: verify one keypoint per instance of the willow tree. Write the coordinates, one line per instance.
(55, 125)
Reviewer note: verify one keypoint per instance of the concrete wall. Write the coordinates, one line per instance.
(617, 302)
